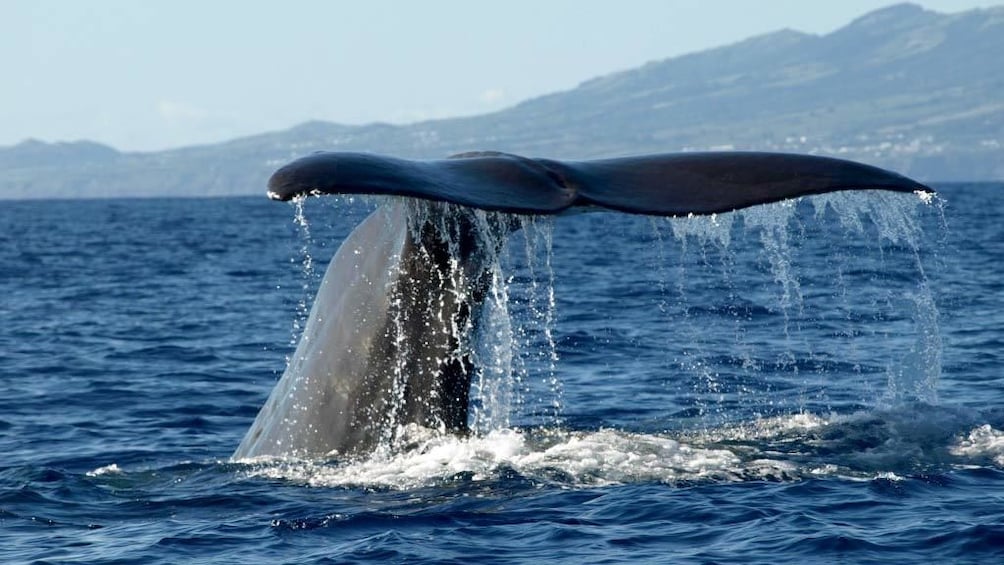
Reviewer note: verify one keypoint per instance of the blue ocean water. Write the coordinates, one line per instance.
(810, 382)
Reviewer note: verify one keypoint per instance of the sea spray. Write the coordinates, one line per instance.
(782, 309)
(307, 272)
(541, 306)
(893, 219)
(777, 313)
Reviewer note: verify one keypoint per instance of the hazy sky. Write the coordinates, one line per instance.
(150, 74)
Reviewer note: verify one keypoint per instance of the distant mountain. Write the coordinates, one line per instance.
(904, 88)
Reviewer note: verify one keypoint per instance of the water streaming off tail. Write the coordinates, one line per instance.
(765, 313)
(535, 311)
(307, 271)
(806, 295)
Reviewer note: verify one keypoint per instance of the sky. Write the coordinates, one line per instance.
(155, 74)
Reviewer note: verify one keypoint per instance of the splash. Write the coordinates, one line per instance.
(788, 302)
(862, 446)
(983, 442)
(599, 458)
(815, 291)
(537, 235)
(894, 220)
(112, 469)
(307, 272)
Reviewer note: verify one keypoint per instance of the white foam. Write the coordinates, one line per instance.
(983, 441)
(594, 458)
(610, 457)
(775, 449)
(601, 457)
(112, 469)
(768, 428)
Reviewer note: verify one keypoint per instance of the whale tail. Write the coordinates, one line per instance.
(386, 343)
(665, 185)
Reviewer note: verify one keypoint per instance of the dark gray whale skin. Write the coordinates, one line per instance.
(672, 184)
(384, 345)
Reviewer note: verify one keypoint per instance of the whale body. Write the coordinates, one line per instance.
(387, 342)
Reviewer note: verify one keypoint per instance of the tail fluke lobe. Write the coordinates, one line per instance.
(706, 183)
(671, 184)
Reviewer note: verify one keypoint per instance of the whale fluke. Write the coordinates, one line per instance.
(671, 184)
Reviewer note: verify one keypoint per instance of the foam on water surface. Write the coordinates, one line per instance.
(983, 442)
(571, 459)
(859, 446)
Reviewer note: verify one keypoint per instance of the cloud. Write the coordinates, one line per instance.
(492, 96)
(172, 111)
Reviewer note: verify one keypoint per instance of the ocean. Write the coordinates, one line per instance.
(810, 381)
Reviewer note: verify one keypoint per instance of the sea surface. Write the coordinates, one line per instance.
(820, 381)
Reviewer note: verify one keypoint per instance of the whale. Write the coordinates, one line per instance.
(387, 343)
